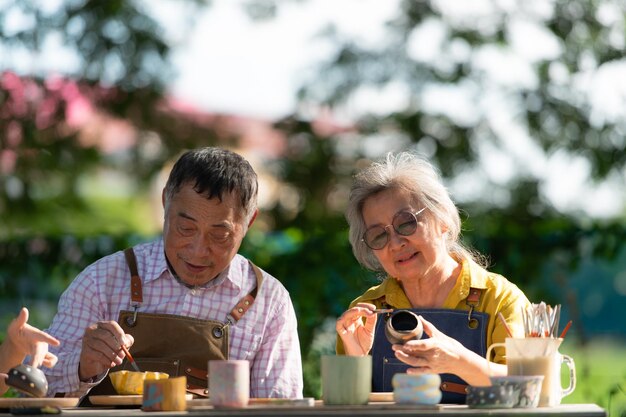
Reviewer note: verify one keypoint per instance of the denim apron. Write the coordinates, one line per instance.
(469, 328)
(176, 345)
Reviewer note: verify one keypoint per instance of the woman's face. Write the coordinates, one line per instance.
(405, 257)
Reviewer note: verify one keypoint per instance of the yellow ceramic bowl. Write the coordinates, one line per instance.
(131, 383)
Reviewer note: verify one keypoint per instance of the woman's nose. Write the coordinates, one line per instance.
(395, 239)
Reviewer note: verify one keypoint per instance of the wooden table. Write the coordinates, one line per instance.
(372, 409)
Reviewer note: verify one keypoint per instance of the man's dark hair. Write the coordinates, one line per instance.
(215, 172)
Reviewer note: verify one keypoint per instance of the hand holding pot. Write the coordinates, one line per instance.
(437, 354)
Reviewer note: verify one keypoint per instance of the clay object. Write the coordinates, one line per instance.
(402, 326)
(416, 389)
(28, 380)
(491, 396)
(526, 388)
(131, 382)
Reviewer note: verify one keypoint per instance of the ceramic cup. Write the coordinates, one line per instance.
(229, 383)
(490, 396)
(539, 356)
(526, 388)
(164, 394)
(346, 380)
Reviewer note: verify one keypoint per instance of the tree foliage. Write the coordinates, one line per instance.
(121, 70)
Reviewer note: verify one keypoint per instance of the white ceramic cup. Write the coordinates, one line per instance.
(229, 383)
(539, 356)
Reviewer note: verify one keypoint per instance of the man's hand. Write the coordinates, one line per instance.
(102, 348)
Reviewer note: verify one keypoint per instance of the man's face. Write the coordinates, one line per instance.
(201, 236)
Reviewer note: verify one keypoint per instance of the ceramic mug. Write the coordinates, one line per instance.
(346, 380)
(539, 356)
(229, 383)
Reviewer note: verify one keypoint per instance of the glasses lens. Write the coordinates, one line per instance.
(405, 223)
(376, 237)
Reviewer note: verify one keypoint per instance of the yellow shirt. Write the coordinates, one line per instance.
(498, 295)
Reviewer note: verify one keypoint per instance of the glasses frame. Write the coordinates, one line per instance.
(388, 234)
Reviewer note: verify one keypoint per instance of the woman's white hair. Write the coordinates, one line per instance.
(415, 175)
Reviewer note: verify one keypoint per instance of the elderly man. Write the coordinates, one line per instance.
(185, 298)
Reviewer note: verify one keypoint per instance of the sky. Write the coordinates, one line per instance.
(227, 63)
(256, 67)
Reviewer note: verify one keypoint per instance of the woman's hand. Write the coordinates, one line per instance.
(438, 354)
(357, 335)
(25, 339)
(442, 354)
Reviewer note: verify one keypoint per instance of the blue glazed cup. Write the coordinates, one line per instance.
(526, 388)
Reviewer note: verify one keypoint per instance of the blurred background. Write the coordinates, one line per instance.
(521, 105)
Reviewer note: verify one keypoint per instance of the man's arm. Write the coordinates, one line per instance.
(79, 307)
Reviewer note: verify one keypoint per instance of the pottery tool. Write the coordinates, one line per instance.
(567, 326)
(130, 359)
(506, 326)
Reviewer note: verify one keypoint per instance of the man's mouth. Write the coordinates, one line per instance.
(196, 268)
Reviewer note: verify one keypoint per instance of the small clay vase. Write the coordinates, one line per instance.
(402, 326)
(28, 380)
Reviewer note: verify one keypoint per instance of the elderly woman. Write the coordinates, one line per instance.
(404, 224)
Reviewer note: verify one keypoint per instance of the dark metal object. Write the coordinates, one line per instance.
(28, 380)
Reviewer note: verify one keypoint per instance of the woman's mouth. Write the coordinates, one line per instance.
(406, 258)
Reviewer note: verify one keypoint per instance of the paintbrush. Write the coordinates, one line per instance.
(130, 359)
(564, 332)
(506, 326)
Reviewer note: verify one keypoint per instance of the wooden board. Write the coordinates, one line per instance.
(203, 403)
(113, 400)
(62, 402)
(381, 397)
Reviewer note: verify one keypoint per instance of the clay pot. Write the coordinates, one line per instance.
(402, 326)
(28, 380)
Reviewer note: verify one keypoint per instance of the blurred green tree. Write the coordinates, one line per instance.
(122, 67)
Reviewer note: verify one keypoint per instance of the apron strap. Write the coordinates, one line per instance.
(246, 302)
(472, 301)
(136, 292)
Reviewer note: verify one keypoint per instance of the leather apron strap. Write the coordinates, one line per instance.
(176, 345)
(470, 329)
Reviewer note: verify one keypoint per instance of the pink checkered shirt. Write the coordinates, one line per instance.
(266, 335)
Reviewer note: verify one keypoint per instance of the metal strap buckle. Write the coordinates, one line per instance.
(133, 321)
(218, 331)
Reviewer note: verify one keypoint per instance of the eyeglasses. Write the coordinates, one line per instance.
(404, 223)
